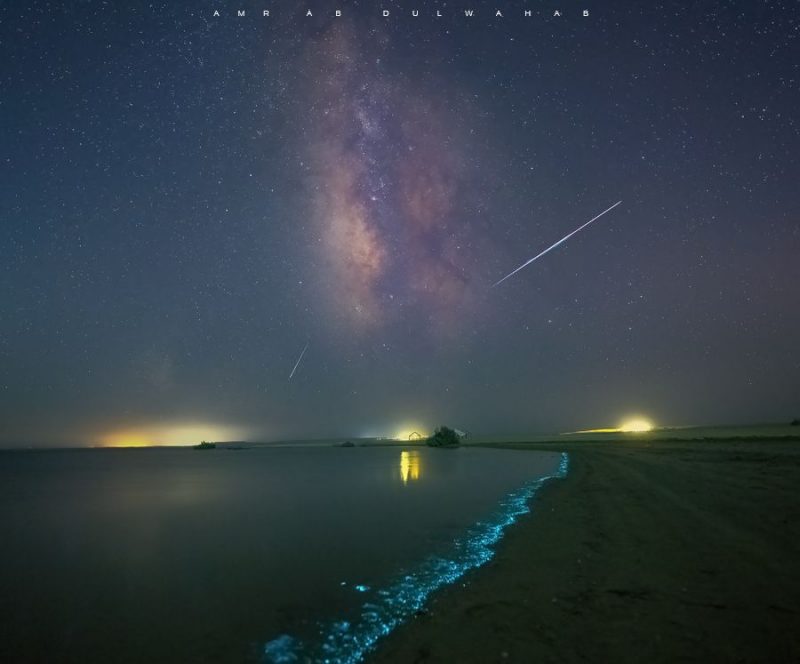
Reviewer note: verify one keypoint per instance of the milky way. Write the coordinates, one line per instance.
(396, 239)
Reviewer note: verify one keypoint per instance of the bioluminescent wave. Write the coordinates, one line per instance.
(553, 246)
(347, 642)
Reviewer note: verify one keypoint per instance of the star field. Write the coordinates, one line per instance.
(188, 200)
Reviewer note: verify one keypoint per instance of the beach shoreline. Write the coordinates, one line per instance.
(647, 551)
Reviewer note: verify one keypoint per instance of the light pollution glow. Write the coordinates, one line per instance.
(169, 435)
(631, 425)
(410, 432)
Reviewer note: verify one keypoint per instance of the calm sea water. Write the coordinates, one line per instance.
(178, 555)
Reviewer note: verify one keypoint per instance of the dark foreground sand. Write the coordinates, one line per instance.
(661, 552)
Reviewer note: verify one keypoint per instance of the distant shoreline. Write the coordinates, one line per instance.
(223, 447)
(714, 433)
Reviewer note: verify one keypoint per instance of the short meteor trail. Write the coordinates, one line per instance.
(299, 359)
(550, 248)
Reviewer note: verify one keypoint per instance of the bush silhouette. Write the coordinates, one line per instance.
(444, 437)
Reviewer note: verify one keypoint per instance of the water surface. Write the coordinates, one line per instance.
(176, 555)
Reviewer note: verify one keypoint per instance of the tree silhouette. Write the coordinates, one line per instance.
(444, 437)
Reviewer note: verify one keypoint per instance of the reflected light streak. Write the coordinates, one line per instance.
(409, 466)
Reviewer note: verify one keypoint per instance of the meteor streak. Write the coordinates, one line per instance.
(550, 248)
(299, 359)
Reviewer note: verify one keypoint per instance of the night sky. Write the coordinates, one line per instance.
(187, 201)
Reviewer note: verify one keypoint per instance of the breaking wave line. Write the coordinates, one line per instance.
(345, 642)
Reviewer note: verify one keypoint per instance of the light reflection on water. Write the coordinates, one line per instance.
(410, 466)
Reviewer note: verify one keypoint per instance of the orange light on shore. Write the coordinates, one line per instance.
(411, 433)
(174, 434)
(636, 425)
(631, 425)
(126, 439)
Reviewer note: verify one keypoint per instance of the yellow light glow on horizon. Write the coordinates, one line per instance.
(169, 435)
(631, 425)
(411, 433)
(127, 439)
(636, 425)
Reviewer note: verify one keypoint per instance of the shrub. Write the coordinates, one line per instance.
(444, 437)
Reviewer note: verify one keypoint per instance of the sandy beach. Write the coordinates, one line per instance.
(667, 551)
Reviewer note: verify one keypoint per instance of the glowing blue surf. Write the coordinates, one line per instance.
(346, 642)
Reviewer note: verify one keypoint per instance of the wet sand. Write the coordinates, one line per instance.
(647, 552)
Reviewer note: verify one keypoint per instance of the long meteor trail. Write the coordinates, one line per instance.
(299, 359)
(550, 248)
